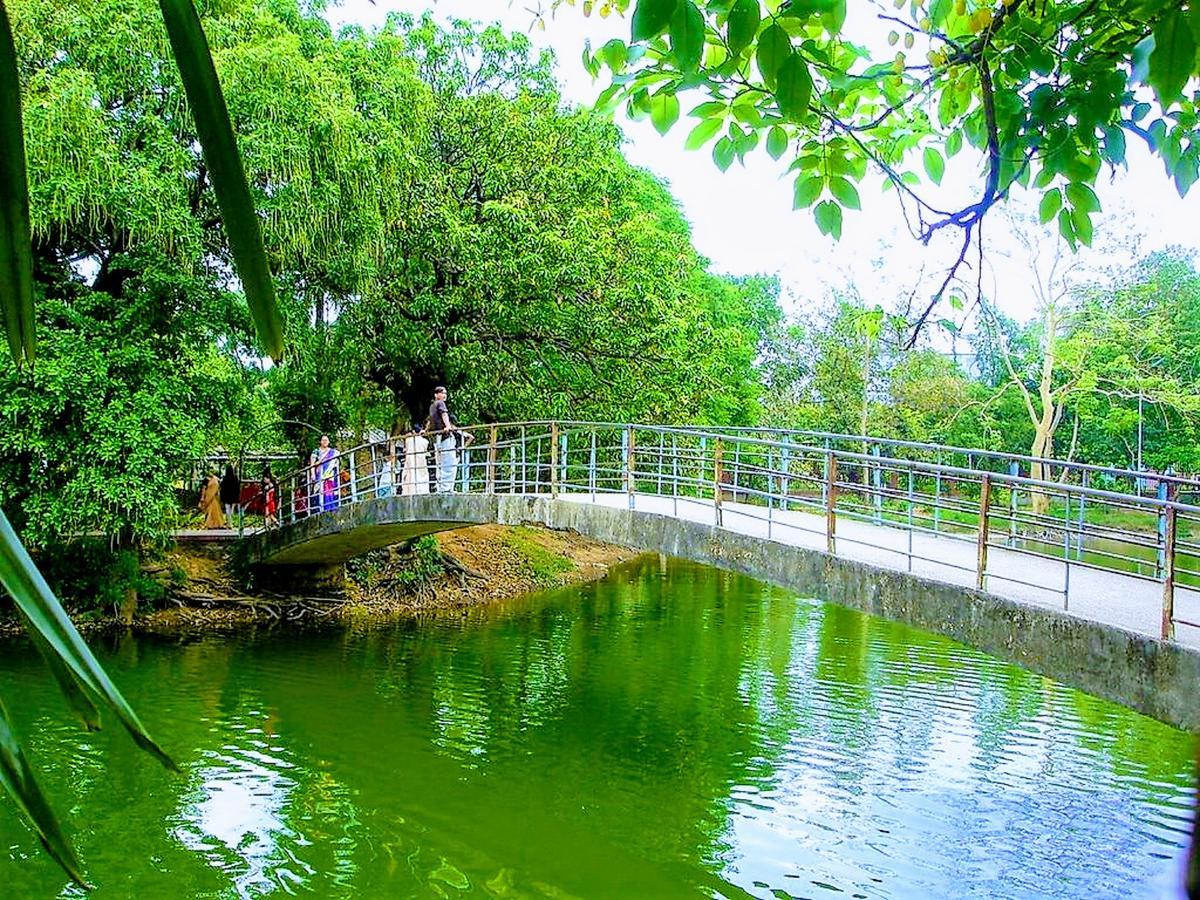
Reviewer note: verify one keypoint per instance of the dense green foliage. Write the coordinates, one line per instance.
(1046, 94)
(1116, 345)
(432, 212)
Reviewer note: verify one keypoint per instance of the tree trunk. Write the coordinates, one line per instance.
(128, 606)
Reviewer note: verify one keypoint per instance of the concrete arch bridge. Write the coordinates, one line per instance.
(1084, 573)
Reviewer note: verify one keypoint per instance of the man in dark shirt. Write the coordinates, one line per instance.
(443, 434)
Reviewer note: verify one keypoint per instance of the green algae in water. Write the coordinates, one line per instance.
(669, 731)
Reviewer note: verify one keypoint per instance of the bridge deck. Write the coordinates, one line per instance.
(1103, 596)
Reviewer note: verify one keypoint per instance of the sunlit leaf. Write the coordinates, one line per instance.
(16, 255)
(793, 89)
(845, 192)
(1173, 59)
(664, 111)
(743, 25)
(16, 776)
(774, 46)
(1050, 205)
(935, 165)
(703, 133)
(687, 35)
(225, 168)
(829, 218)
(651, 18)
(777, 142)
(58, 636)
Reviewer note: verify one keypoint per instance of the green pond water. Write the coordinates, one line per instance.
(670, 731)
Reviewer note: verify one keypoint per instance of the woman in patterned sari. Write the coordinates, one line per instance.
(324, 466)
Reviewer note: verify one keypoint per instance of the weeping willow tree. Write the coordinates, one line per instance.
(79, 675)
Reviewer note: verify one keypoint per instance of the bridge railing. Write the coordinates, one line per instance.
(788, 486)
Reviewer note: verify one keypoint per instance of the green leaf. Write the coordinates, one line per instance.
(1050, 205)
(845, 192)
(687, 36)
(954, 143)
(1066, 228)
(1114, 144)
(225, 168)
(829, 218)
(774, 46)
(1173, 59)
(16, 776)
(935, 165)
(651, 17)
(1082, 222)
(709, 108)
(722, 153)
(777, 142)
(702, 134)
(743, 25)
(664, 110)
(1083, 197)
(807, 190)
(57, 635)
(16, 254)
(614, 54)
(793, 89)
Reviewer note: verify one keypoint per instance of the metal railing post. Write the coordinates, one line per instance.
(785, 483)
(1168, 590)
(830, 502)
(1014, 469)
(1082, 524)
(1160, 562)
(524, 464)
(911, 502)
(877, 483)
(937, 494)
(592, 468)
(630, 464)
(985, 502)
(662, 444)
(554, 460)
(490, 477)
(717, 449)
(565, 470)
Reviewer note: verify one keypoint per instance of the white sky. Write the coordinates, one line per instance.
(743, 219)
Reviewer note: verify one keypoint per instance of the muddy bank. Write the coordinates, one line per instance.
(434, 575)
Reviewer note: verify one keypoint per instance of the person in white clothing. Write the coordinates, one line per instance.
(415, 479)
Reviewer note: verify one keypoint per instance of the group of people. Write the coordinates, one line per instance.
(327, 481)
(221, 499)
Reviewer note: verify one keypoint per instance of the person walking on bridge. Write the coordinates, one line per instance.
(231, 493)
(443, 429)
(325, 473)
(210, 502)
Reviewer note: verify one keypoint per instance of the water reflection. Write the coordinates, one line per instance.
(666, 732)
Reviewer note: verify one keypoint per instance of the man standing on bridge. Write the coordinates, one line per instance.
(443, 433)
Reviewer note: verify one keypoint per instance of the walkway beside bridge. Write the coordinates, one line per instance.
(1098, 595)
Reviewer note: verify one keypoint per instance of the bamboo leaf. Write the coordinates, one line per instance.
(57, 635)
(16, 254)
(225, 168)
(16, 776)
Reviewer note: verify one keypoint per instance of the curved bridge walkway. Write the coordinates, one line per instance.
(1076, 539)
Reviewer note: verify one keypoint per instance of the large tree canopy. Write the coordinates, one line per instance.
(1046, 94)
(431, 211)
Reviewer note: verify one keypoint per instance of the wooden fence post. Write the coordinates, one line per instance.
(830, 502)
(985, 503)
(1168, 593)
(491, 461)
(718, 447)
(554, 460)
